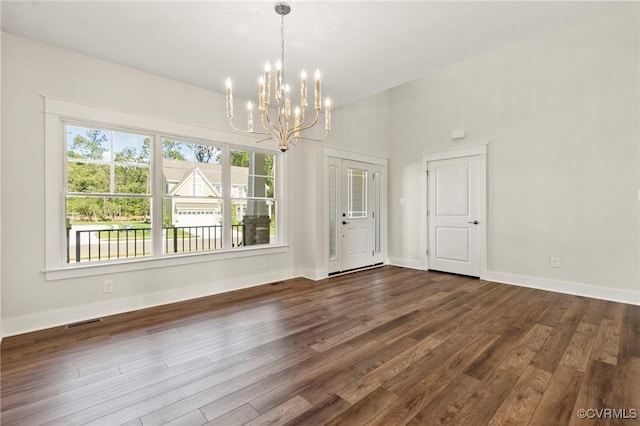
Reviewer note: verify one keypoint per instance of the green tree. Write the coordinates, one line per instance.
(130, 178)
(240, 158)
(92, 146)
(243, 159)
(88, 207)
(204, 153)
(130, 154)
(83, 177)
(172, 150)
(268, 169)
(88, 177)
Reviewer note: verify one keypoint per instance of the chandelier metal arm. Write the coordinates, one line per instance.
(269, 137)
(302, 127)
(313, 139)
(280, 127)
(250, 132)
(265, 136)
(233, 127)
(273, 128)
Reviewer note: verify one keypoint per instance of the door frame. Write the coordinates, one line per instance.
(330, 156)
(469, 151)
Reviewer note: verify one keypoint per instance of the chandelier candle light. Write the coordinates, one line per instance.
(282, 128)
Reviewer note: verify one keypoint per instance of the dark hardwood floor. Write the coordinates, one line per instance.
(387, 346)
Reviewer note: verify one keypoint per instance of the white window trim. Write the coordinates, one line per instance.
(56, 111)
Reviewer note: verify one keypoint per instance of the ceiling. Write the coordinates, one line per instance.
(361, 48)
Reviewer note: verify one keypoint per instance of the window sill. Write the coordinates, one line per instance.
(87, 270)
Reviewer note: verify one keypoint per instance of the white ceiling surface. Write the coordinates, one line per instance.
(361, 48)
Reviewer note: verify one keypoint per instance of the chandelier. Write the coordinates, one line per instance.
(278, 124)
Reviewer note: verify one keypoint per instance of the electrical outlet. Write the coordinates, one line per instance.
(263, 264)
(554, 262)
(107, 286)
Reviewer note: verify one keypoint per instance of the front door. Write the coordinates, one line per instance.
(453, 213)
(356, 190)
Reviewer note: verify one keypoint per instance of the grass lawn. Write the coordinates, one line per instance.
(123, 228)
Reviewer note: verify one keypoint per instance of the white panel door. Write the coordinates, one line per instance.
(453, 212)
(356, 220)
(359, 215)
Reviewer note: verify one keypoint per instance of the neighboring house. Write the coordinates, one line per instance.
(202, 184)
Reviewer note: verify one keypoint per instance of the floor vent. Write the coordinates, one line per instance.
(81, 323)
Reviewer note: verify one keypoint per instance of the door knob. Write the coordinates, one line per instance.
(475, 222)
(344, 222)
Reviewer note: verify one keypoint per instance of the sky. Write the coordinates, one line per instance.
(119, 140)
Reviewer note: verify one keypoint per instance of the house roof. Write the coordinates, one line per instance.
(179, 170)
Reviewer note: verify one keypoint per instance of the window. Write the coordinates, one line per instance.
(114, 211)
(333, 212)
(377, 211)
(108, 194)
(253, 206)
(357, 193)
(122, 195)
(197, 168)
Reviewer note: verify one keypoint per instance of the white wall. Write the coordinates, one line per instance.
(560, 112)
(305, 161)
(31, 69)
(363, 126)
(0, 180)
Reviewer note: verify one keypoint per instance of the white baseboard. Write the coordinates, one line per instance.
(406, 263)
(54, 318)
(313, 274)
(576, 289)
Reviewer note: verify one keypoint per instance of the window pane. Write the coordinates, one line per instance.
(252, 174)
(377, 211)
(92, 168)
(193, 153)
(130, 148)
(206, 154)
(357, 193)
(132, 180)
(88, 178)
(191, 170)
(333, 212)
(89, 144)
(192, 224)
(107, 228)
(174, 150)
(252, 216)
(253, 222)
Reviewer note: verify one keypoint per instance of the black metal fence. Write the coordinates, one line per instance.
(105, 244)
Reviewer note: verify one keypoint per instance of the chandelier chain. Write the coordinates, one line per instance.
(282, 44)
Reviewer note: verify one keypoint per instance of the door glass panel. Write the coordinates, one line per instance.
(357, 193)
(333, 213)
